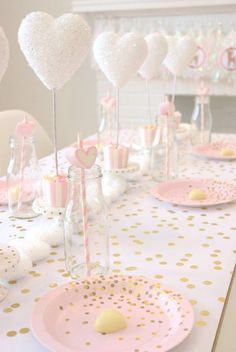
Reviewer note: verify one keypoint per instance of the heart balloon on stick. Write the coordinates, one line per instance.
(157, 51)
(180, 54)
(119, 58)
(54, 49)
(4, 53)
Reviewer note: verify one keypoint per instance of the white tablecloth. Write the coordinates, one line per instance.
(192, 250)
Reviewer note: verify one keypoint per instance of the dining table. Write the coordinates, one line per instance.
(191, 250)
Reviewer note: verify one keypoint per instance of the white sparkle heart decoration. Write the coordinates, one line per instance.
(119, 57)
(4, 53)
(54, 48)
(157, 51)
(180, 54)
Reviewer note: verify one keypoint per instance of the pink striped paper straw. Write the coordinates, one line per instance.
(84, 215)
(167, 171)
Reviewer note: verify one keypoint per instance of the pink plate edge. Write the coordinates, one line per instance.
(40, 333)
(154, 193)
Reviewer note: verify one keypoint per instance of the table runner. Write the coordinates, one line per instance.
(191, 250)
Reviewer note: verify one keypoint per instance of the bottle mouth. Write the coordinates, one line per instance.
(94, 172)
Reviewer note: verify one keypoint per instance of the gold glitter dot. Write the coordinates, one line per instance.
(53, 284)
(201, 323)
(131, 268)
(15, 305)
(208, 283)
(183, 279)
(190, 286)
(11, 333)
(25, 290)
(217, 267)
(24, 330)
(193, 302)
(7, 310)
(221, 299)
(193, 266)
(158, 276)
(204, 313)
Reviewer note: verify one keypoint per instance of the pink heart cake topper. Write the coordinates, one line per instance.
(83, 158)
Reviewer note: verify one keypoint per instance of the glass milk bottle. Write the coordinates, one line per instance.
(164, 159)
(201, 121)
(23, 177)
(97, 225)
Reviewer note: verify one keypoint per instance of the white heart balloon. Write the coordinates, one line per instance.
(180, 54)
(157, 51)
(4, 53)
(54, 48)
(119, 57)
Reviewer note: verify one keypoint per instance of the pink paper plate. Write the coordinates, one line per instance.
(177, 192)
(213, 150)
(63, 319)
(3, 191)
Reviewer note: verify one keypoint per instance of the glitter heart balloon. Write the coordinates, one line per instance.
(180, 54)
(119, 57)
(4, 53)
(54, 48)
(157, 51)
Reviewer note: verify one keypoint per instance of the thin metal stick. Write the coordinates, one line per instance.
(117, 117)
(148, 101)
(173, 89)
(55, 130)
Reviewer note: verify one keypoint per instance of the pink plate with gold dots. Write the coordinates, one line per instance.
(221, 150)
(178, 192)
(158, 318)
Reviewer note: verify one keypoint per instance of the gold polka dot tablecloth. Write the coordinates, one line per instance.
(191, 250)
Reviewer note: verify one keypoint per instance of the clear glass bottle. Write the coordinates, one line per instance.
(164, 158)
(201, 121)
(97, 229)
(23, 178)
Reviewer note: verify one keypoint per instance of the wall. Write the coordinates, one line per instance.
(20, 88)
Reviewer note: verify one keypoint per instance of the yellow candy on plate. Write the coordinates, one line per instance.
(110, 320)
(226, 152)
(197, 194)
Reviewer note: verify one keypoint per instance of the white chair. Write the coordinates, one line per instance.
(8, 121)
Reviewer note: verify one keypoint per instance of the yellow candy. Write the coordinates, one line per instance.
(109, 321)
(226, 152)
(197, 194)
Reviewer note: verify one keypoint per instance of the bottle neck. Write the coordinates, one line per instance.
(202, 99)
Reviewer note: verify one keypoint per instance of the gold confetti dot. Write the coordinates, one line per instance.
(11, 333)
(183, 279)
(217, 267)
(15, 305)
(24, 331)
(204, 313)
(201, 323)
(190, 286)
(25, 290)
(158, 276)
(221, 299)
(208, 283)
(7, 310)
(131, 268)
(192, 302)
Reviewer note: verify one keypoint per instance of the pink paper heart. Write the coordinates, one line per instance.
(83, 158)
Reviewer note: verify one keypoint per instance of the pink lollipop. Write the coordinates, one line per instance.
(25, 128)
(167, 108)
